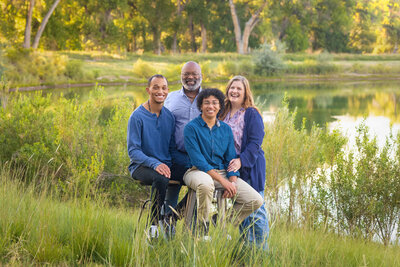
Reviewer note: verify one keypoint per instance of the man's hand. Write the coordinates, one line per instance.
(230, 189)
(234, 165)
(163, 170)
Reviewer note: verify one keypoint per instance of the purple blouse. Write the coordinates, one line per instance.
(237, 124)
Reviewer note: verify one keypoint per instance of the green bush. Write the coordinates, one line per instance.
(364, 188)
(143, 69)
(73, 69)
(26, 66)
(232, 68)
(76, 140)
(293, 158)
(312, 67)
(267, 61)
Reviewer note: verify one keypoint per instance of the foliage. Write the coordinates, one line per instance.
(365, 189)
(267, 61)
(293, 158)
(24, 66)
(141, 26)
(75, 141)
(143, 69)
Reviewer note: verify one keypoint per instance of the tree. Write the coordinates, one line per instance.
(28, 27)
(43, 24)
(242, 40)
(157, 13)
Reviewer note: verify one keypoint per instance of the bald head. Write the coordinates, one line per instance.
(191, 76)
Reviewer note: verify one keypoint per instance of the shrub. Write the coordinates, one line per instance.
(25, 66)
(76, 140)
(143, 69)
(267, 61)
(231, 68)
(74, 69)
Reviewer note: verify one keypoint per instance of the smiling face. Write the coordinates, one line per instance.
(158, 90)
(191, 76)
(236, 93)
(210, 107)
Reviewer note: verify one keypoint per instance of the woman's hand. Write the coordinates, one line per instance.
(234, 165)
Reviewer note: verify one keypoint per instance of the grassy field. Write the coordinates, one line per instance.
(37, 227)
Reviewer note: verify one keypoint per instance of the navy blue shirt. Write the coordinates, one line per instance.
(150, 138)
(209, 149)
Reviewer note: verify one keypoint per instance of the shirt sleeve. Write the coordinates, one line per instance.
(193, 149)
(255, 136)
(177, 156)
(134, 141)
(230, 153)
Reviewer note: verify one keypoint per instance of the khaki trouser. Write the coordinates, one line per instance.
(247, 199)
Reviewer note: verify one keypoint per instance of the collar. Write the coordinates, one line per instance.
(182, 92)
(203, 123)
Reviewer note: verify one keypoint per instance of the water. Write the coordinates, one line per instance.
(332, 104)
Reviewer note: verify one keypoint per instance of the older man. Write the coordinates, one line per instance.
(182, 104)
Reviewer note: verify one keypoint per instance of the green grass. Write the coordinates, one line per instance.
(38, 227)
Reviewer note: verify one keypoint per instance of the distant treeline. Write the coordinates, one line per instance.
(201, 25)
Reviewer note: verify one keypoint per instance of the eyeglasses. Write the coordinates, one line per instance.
(211, 103)
(187, 74)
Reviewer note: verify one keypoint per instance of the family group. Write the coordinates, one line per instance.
(206, 140)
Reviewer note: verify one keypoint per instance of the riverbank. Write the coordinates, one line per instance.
(29, 70)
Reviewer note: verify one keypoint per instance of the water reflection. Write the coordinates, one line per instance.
(326, 104)
(322, 103)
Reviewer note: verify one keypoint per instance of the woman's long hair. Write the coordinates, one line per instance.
(248, 96)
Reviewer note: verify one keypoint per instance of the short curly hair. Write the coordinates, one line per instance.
(207, 92)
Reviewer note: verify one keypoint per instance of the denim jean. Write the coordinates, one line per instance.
(255, 228)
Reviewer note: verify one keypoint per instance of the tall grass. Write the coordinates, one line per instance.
(37, 227)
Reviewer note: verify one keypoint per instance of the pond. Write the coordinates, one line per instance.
(332, 104)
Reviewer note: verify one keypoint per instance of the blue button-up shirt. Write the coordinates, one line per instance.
(210, 149)
(184, 111)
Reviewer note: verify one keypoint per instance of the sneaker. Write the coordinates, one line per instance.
(206, 238)
(167, 228)
(153, 232)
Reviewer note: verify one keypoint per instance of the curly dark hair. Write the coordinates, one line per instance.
(207, 92)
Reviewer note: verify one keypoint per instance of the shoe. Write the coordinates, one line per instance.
(153, 232)
(206, 238)
(167, 227)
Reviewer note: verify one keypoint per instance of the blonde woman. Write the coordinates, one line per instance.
(247, 125)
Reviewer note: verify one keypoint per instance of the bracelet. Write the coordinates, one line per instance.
(233, 183)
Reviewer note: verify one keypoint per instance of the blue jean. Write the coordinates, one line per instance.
(255, 228)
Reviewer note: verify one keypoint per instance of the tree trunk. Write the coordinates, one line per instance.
(242, 41)
(134, 43)
(156, 42)
(28, 27)
(236, 27)
(175, 40)
(191, 30)
(203, 38)
(43, 24)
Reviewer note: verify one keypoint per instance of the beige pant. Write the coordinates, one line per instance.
(246, 201)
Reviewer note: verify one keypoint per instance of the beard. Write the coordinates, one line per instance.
(192, 87)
